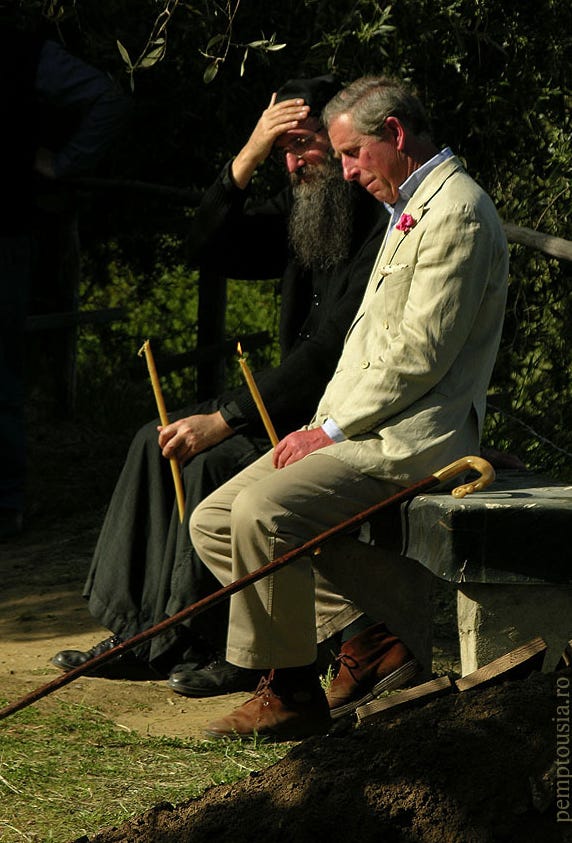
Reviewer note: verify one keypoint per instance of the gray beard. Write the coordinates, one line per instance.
(321, 219)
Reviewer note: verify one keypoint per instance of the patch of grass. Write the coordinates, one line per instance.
(327, 678)
(68, 771)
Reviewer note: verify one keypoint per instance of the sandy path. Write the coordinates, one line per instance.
(41, 612)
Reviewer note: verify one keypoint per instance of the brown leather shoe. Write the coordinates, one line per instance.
(371, 662)
(298, 716)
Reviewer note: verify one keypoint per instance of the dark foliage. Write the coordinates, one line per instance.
(494, 74)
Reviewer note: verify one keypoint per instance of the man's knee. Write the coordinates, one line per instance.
(197, 528)
(148, 434)
(251, 509)
(207, 528)
(247, 511)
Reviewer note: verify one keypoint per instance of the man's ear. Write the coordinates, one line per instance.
(395, 127)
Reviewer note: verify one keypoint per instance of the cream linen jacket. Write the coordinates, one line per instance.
(410, 387)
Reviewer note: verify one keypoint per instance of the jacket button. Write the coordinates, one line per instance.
(386, 325)
(365, 364)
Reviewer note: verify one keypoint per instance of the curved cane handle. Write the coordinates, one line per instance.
(484, 468)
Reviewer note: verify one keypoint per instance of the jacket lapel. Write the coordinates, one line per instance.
(420, 202)
(417, 207)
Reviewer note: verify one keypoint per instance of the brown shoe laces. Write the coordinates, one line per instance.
(263, 688)
(348, 661)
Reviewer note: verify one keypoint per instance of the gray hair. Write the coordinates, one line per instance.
(370, 100)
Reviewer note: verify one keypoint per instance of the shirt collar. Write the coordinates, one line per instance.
(412, 182)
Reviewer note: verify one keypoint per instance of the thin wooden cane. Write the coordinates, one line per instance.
(179, 491)
(312, 546)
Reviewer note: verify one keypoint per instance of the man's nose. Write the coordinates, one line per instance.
(293, 162)
(349, 168)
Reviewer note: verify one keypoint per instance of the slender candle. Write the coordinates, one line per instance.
(179, 491)
(251, 383)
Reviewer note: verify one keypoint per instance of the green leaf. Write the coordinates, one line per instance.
(243, 63)
(216, 39)
(152, 57)
(210, 72)
(124, 54)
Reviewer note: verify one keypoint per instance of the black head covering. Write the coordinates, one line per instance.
(316, 92)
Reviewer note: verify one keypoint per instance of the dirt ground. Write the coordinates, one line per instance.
(41, 612)
(468, 768)
(72, 472)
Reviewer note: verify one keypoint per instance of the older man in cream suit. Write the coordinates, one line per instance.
(407, 397)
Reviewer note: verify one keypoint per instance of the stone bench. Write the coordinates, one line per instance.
(505, 549)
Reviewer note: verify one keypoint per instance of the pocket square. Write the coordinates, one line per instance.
(390, 268)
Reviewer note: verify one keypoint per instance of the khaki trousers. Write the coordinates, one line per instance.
(256, 517)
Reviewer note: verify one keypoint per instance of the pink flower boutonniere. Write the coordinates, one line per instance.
(405, 223)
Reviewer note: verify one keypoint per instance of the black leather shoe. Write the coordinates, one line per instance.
(124, 666)
(218, 677)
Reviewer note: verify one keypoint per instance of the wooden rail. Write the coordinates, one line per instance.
(202, 355)
(72, 319)
(556, 247)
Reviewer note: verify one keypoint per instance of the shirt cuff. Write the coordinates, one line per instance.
(333, 431)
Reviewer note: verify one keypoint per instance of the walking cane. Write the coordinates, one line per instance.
(175, 469)
(312, 546)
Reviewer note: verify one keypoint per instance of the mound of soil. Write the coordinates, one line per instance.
(468, 768)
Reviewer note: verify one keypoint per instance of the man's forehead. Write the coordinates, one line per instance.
(343, 134)
(310, 126)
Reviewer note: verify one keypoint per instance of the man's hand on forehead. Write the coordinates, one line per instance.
(276, 119)
(285, 115)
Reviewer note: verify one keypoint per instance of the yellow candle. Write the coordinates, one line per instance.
(251, 383)
(179, 491)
